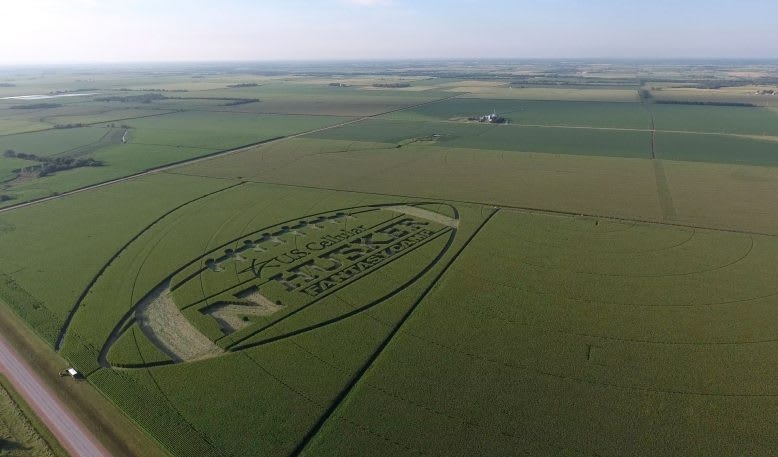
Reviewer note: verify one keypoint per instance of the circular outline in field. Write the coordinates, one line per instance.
(448, 234)
(74, 310)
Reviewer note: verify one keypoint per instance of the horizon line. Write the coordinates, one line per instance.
(603, 59)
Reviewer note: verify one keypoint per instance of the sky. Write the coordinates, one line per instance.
(87, 31)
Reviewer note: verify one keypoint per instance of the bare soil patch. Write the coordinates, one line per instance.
(163, 323)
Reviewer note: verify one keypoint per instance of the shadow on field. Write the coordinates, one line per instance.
(10, 446)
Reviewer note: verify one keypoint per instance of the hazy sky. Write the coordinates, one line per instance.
(48, 31)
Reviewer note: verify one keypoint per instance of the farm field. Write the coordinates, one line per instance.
(513, 360)
(716, 119)
(335, 261)
(122, 140)
(584, 94)
(619, 143)
(532, 112)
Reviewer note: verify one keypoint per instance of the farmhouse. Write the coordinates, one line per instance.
(493, 118)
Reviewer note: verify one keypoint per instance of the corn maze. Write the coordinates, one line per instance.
(346, 267)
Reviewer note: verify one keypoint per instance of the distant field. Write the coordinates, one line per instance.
(8, 166)
(12, 124)
(52, 142)
(531, 112)
(551, 93)
(594, 185)
(121, 160)
(717, 148)
(150, 142)
(73, 111)
(113, 116)
(498, 137)
(213, 131)
(716, 119)
(724, 95)
(293, 98)
(601, 184)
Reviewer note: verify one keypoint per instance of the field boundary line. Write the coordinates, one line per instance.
(663, 190)
(330, 412)
(91, 124)
(528, 209)
(146, 172)
(178, 146)
(310, 400)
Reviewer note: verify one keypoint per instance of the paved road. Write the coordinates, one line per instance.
(73, 436)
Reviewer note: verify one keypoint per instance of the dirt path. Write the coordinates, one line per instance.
(76, 439)
(662, 185)
(663, 192)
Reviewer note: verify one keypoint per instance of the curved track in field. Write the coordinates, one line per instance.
(75, 308)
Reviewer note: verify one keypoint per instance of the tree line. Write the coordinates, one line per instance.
(50, 165)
